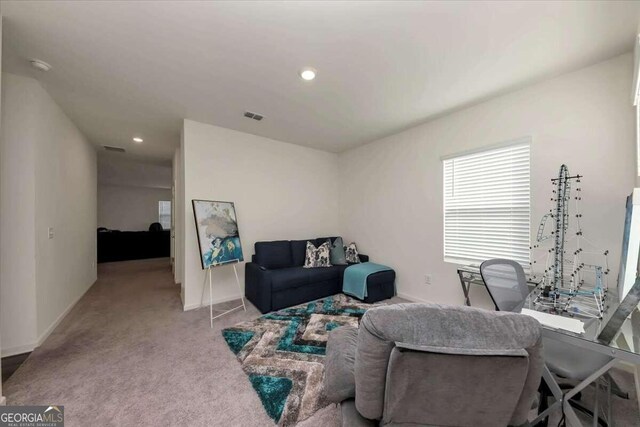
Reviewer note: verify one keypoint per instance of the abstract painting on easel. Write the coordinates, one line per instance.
(217, 230)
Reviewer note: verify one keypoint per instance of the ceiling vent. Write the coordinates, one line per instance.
(254, 116)
(116, 149)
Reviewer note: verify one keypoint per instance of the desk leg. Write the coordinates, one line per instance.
(563, 399)
(556, 392)
(637, 381)
(568, 410)
(465, 289)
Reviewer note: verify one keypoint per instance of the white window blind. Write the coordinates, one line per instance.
(487, 205)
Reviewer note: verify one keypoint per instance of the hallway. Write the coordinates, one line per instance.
(128, 355)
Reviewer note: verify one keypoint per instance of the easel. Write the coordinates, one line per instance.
(208, 273)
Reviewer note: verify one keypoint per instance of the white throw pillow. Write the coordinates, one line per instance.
(351, 253)
(317, 257)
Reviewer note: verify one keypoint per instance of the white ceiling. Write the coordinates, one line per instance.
(137, 68)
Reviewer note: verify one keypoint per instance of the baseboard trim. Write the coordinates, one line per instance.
(411, 297)
(62, 315)
(12, 351)
(206, 303)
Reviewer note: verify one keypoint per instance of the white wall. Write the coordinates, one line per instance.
(66, 180)
(3, 399)
(281, 191)
(174, 181)
(49, 179)
(115, 169)
(129, 191)
(129, 208)
(391, 189)
(17, 222)
(178, 208)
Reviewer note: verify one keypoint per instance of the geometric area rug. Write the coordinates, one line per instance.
(283, 354)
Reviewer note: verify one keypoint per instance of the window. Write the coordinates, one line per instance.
(487, 205)
(164, 214)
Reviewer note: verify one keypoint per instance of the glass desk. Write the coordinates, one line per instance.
(625, 346)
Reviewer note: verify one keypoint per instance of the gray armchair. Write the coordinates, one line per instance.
(427, 364)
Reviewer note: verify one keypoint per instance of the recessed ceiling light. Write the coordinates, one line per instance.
(308, 74)
(138, 140)
(40, 65)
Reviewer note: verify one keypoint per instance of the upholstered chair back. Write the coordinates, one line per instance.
(427, 364)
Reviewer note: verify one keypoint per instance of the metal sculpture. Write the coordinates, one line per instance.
(572, 293)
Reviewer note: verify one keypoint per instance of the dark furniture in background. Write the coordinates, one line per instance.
(276, 278)
(155, 226)
(129, 245)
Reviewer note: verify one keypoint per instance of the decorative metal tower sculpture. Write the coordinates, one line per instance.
(575, 293)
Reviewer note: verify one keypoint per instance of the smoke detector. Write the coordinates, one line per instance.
(254, 116)
(39, 65)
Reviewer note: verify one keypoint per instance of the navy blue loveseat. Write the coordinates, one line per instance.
(275, 278)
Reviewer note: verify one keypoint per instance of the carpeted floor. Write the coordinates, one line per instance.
(128, 355)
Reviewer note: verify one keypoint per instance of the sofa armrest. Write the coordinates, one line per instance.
(339, 379)
(363, 258)
(257, 286)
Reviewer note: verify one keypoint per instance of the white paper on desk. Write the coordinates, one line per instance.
(555, 321)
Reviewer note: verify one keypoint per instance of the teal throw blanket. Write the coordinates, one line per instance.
(355, 278)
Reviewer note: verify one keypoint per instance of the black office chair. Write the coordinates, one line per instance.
(155, 226)
(507, 285)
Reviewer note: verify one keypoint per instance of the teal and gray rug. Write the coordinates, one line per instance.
(283, 354)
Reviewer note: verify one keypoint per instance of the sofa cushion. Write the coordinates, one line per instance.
(304, 294)
(298, 251)
(274, 255)
(352, 418)
(289, 278)
(324, 273)
(339, 364)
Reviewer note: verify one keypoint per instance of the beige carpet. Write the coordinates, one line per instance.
(127, 355)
